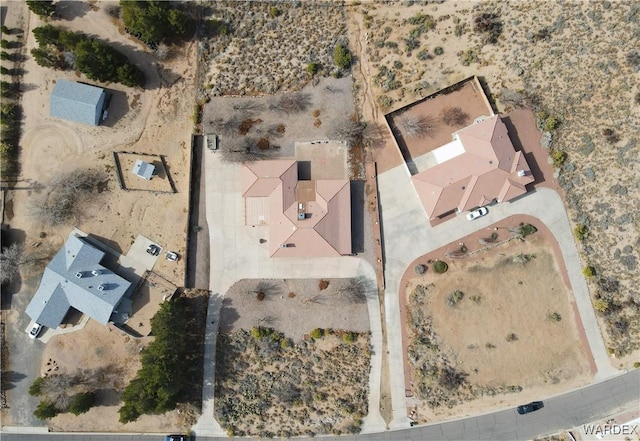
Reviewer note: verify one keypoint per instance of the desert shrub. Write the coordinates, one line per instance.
(610, 136)
(581, 232)
(558, 157)
(469, 56)
(527, 229)
(274, 12)
(349, 337)
(391, 44)
(454, 116)
(45, 410)
(489, 25)
(81, 403)
(555, 317)
(476, 299)
(440, 267)
(551, 123)
(601, 305)
(633, 59)
(420, 269)
(589, 271)
(341, 57)
(316, 333)
(385, 101)
(451, 379)
(438, 50)
(608, 284)
(512, 337)
(455, 297)
(636, 99)
(636, 365)
(490, 346)
(313, 68)
(259, 332)
(285, 343)
(323, 284)
(397, 64)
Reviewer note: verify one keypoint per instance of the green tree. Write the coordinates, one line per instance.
(155, 21)
(36, 387)
(48, 58)
(130, 75)
(82, 402)
(341, 57)
(43, 8)
(47, 34)
(45, 410)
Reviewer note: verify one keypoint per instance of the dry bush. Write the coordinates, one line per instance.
(11, 259)
(323, 284)
(289, 103)
(454, 116)
(348, 130)
(67, 195)
(416, 126)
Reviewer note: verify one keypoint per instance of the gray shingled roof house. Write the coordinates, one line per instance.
(75, 279)
(77, 102)
(143, 169)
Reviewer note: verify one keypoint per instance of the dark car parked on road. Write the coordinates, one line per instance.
(531, 407)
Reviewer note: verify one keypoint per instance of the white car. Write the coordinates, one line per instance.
(475, 214)
(171, 256)
(35, 330)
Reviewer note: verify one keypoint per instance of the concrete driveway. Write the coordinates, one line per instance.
(408, 235)
(236, 253)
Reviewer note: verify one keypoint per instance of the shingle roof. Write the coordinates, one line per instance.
(77, 102)
(75, 278)
(487, 169)
(305, 218)
(143, 169)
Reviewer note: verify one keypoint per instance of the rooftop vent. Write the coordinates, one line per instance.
(79, 275)
(301, 212)
(522, 173)
(96, 272)
(101, 287)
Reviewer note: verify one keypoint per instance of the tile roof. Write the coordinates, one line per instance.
(489, 168)
(305, 218)
(75, 279)
(77, 102)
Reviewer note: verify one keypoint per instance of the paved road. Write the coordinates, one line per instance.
(582, 406)
(236, 254)
(408, 235)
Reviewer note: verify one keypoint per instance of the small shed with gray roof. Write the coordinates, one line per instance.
(77, 102)
(144, 169)
(75, 278)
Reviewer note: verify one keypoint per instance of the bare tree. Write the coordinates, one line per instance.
(58, 390)
(248, 107)
(357, 289)
(295, 102)
(66, 195)
(348, 130)
(454, 116)
(241, 149)
(415, 125)
(228, 126)
(513, 98)
(11, 259)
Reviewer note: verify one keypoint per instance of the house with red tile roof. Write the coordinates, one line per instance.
(479, 166)
(305, 218)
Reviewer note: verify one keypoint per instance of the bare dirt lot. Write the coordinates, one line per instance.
(497, 322)
(293, 306)
(271, 362)
(557, 53)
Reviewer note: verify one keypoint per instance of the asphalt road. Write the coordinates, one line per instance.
(570, 410)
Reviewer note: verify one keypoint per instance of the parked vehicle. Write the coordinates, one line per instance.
(171, 256)
(531, 407)
(176, 438)
(34, 331)
(153, 249)
(475, 214)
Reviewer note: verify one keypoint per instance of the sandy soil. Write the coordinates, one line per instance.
(558, 53)
(154, 119)
(501, 297)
